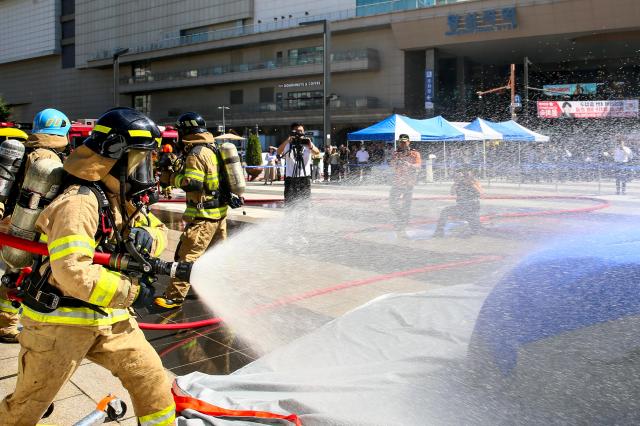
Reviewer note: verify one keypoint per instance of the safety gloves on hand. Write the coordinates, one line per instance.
(142, 240)
(235, 201)
(147, 292)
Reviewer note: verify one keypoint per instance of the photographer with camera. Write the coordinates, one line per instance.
(297, 150)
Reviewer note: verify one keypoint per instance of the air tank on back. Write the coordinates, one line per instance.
(11, 157)
(41, 185)
(233, 168)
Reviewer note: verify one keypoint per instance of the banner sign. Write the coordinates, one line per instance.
(480, 22)
(428, 89)
(570, 89)
(588, 109)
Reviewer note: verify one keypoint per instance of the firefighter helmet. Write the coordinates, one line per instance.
(120, 130)
(52, 122)
(190, 123)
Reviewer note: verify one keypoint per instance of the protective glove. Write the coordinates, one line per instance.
(147, 292)
(235, 201)
(142, 240)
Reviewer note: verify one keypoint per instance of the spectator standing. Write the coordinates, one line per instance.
(334, 159)
(406, 163)
(271, 160)
(326, 162)
(622, 155)
(344, 161)
(362, 157)
(315, 167)
(467, 190)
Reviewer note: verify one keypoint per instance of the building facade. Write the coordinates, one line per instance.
(417, 57)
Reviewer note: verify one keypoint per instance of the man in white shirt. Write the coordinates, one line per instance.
(363, 161)
(297, 150)
(622, 155)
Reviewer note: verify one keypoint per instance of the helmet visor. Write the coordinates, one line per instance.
(140, 175)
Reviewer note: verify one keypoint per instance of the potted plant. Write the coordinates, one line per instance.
(253, 157)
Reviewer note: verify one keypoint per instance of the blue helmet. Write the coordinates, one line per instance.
(52, 122)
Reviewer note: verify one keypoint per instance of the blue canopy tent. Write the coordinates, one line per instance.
(506, 131)
(438, 129)
(387, 130)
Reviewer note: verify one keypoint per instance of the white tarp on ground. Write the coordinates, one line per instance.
(556, 341)
(390, 361)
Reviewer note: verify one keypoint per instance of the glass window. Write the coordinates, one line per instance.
(236, 97)
(69, 56)
(304, 100)
(141, 71)
(142, 103)
(305, 55)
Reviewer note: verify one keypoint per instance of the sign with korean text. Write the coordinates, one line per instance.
(570, 89)
(588, 109)
(428, 89)
(481, 22)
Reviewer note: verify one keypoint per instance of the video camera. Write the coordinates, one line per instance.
(298, 140)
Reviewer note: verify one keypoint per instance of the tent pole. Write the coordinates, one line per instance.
(444, 158)
(519, 167)
(484, 159)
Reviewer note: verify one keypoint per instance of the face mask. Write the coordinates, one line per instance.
(140, 177)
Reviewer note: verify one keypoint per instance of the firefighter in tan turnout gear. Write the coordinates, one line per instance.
(74, 309)
(203, 179)
(48, 140)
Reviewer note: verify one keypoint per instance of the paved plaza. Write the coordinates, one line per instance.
(364, 259)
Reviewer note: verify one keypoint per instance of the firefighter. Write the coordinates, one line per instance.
(206, 213)
(90, 319)
(48, 140)
(406, 163)
(167, 165)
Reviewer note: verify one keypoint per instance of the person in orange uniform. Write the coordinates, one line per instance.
(74, 309)
(406, 163)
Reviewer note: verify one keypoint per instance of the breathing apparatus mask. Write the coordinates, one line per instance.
(136, 178)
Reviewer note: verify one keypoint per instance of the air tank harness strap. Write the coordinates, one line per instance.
(42, 297)
(107, 222)
(224, 194)
(32, 200)
(209, 204)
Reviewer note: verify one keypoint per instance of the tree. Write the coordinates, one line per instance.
(5, 111)
(253, 156)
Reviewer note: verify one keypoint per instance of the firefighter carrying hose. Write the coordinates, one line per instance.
(74, 309)
(210, 190)
(48, 140)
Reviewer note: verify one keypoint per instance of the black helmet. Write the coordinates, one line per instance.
(120, 130)
(190, 123)
(130, 137)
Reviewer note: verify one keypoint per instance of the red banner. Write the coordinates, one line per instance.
(588, 109)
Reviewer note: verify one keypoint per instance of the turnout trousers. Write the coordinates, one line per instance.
(51, 353)
(400, 198)
(197, 237)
